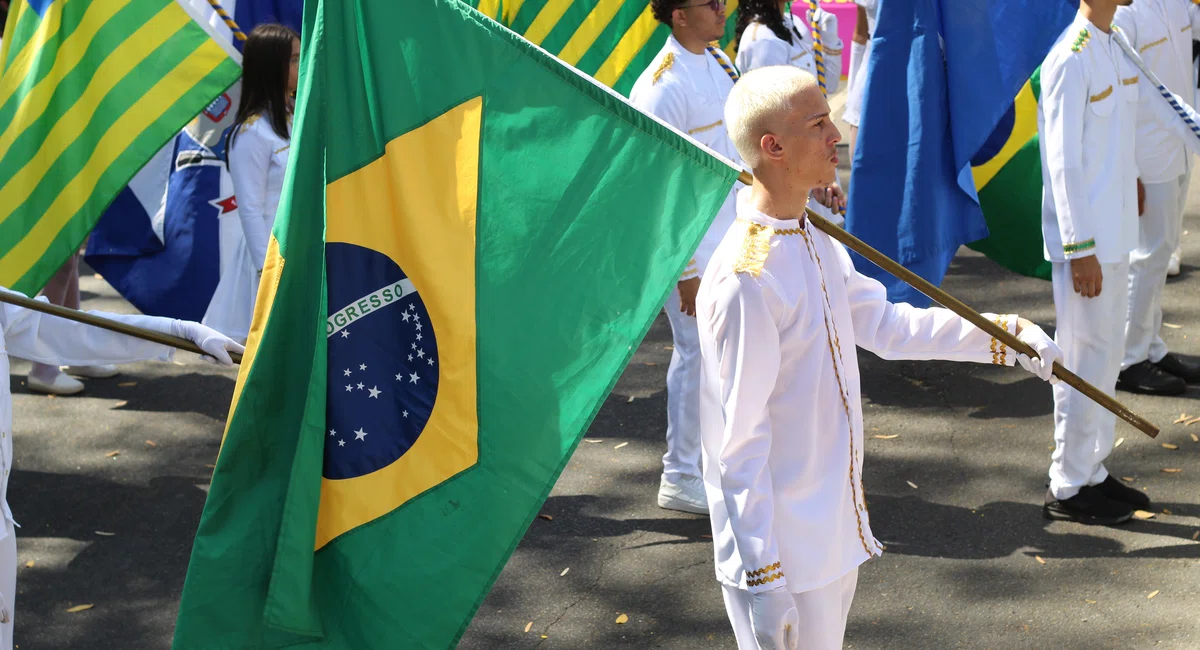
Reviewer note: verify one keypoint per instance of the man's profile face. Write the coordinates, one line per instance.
(809, 139)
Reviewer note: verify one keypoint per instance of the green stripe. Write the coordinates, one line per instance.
(567, 25)
(72, 16)
(625, 82)
(123, 169)
(1012, 207)
(598, 53)
(24, 30)
(72, 85)
(123, 95)
(526, 15)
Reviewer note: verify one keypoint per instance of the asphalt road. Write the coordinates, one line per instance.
(955, 496)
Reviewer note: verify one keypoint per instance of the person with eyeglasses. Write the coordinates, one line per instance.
(686, 86)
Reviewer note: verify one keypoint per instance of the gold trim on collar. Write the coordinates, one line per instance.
(1101, 95)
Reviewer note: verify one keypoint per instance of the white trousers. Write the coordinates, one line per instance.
(1091, 333)
(683, 395)
(1158, 236)
(823, 614)
(8, 584)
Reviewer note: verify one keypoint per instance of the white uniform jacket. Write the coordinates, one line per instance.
(258, 159)
(688, 91)
(1161, 31)
(780, 311)
(760, 47)
(57, 341)
(1087, 114)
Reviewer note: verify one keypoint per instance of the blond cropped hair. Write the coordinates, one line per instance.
(757, 104)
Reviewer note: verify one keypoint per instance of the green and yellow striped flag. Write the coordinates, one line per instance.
(611, 40)
(90, 90)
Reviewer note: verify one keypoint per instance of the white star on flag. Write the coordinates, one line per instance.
(362, 366)
(412, 379)
(374, 391)
(360, 434)
(347, 372)
(345, 334)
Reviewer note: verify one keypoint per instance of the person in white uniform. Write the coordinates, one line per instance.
(860, 54)
(768, 34)
(258, 146)
(1092, 95)
(48, 339)
(781, 311)
(1161, 31)
(685, 86)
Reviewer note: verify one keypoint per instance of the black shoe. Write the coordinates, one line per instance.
(1149, 379)
(1090, 506)
(1184, 369)
(1118, 491)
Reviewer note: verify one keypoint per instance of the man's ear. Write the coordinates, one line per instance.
(770, 146)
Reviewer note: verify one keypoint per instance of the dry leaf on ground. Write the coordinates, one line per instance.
(1196, 535)
(104, 533)
(1173, 326)
(210, 466)
(1089, 601)
(151, 443)
(564, 572)
(650, 363)
(630, 400)
(1191, 421)
(1039, 559)
(529, 626)
(1119, 441)
(1195, 438)
(622, 619)
(127, 384)
(1128, 479)
(1183, 417)
(112, 454)
(888, 437)
(669, 347)
(1151, 594)
(1143, 514)
(79, 608)
(911, 484)
(29, 564)
(593, 440)
(546, 517)
(121, 404)
(1167, 445)
(621, 445)
(1171, 470)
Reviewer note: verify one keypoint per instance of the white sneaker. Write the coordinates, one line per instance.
(92, 372)
(685, 496)
(62, 385)
(1173, 265)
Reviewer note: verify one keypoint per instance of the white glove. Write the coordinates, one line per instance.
(1047, 350)
(216, 345)
(774, 619)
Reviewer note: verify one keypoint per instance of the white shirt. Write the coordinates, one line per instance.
(760, 47)
(780, 311)
(1087, 122)
(1161, 31)
(258, 159)
(688, 91)
(57, 341)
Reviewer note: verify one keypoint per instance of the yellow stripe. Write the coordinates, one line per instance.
(1101, 95)
(67, 128)
(546, 19)
(17, 73)
(1024, 128)
(149, 108)
(510, 10)
(707, 127)
(1150, 45)
(632, 42)
(583, 38)
(1129, 82)
(70, 53)
(489, 8)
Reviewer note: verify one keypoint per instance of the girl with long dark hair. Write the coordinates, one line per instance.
(257, 147)
(768, 34)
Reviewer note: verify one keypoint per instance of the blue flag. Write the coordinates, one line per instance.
(160, 244)
(942, 75)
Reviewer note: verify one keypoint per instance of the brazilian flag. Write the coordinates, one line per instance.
(473, 239)
(1008, 177)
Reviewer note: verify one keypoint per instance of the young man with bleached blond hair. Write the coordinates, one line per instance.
(780, 311)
